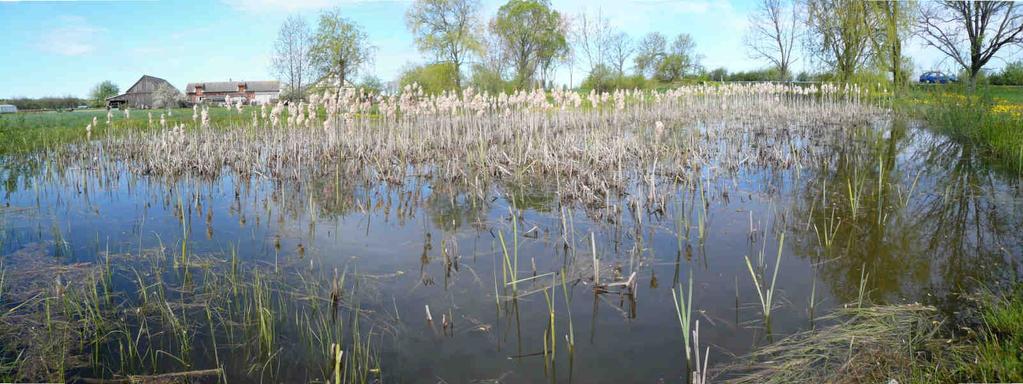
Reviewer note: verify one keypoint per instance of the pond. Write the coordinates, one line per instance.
(114, 264)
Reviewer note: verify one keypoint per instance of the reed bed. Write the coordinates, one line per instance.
(594, 147)
(610, 153)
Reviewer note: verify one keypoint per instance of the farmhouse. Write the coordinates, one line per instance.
(252, 92)
(140, 94)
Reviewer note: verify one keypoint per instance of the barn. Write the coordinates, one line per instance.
(140, 94)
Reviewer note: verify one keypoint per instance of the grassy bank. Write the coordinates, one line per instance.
(908, 343)
(989, 118)
(29, 131)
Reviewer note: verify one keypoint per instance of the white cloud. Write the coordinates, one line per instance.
(71, 36)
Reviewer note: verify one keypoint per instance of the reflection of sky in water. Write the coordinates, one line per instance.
(959, 225)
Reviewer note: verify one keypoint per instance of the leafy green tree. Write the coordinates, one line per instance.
(893, 21)
(670, 68)
(371, 84)
(99, 94)
(649, 53)
(681, 60)
(838, 34)
(533, 36)
(446, 28)
(1012, 74)
(339, 49)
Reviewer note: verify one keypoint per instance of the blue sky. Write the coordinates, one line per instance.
(66, 47)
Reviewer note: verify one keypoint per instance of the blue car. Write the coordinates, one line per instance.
(935, 77)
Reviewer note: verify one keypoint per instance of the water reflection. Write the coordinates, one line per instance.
(919, 217)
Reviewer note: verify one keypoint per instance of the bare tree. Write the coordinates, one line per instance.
(592, 36)
(772, 34)
(971, 32)
(619, 49)
(448, 28)
(291, 56)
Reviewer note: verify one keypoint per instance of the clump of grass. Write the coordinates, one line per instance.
(906, 343)
(765, 292)
(871, 344)
(999, 351)
(684, 310)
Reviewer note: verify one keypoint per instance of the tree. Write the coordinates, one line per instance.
(620, 48)
(532, 35)
(649, 53)
(971, 32)
(772, 34)
(339, 49)
(681, 60)
(593, 37)
(555, 50)
(893, 20)
(838, 34)
(166, 96)
(447, 28)
(291, 57)
(99, 94)
(371, 85)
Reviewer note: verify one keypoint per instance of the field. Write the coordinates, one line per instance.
(718, 232)
(29, 131)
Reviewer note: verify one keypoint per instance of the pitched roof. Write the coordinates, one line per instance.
(232, 86)
(156, 80)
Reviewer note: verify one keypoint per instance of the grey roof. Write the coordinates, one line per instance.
(232, 86)
(152, 81)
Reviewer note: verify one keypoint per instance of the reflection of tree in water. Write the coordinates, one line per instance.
(970, 215)
(535, 195)
(449, 208)
(20, 172)
(943, 231)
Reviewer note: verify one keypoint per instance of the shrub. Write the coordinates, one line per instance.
(487, 79)
(603, 79)
(1012, 74)
(434, 78)
(767, 74)
(27, 104)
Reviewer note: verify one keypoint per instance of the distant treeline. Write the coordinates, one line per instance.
(44, 103)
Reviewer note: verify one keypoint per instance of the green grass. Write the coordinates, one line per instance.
(989, 118)
(999, 351)
(25, 132)
(1011, 94)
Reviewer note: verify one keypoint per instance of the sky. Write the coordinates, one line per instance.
(55, 48)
